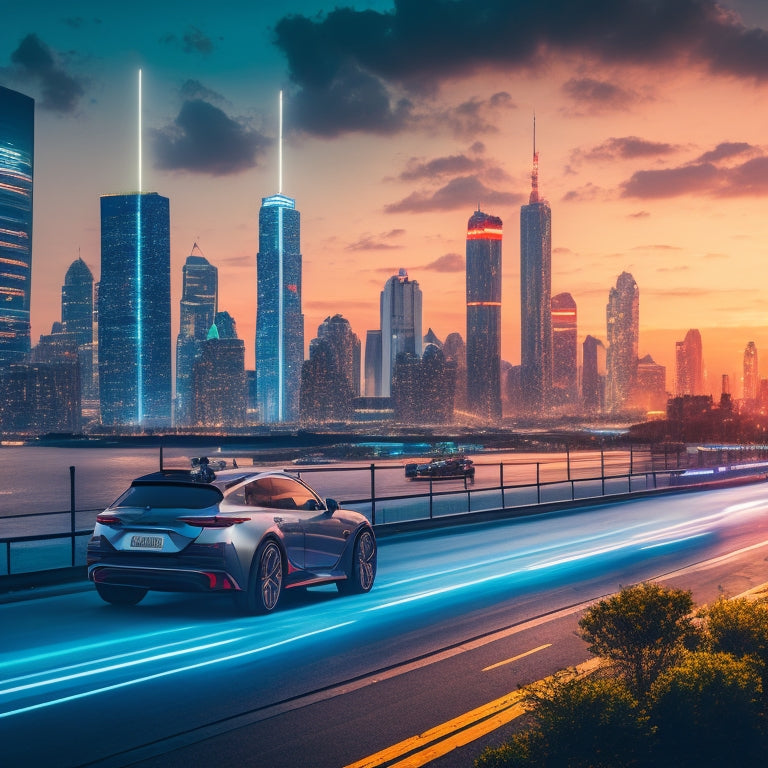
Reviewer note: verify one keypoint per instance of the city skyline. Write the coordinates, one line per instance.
(647, 175)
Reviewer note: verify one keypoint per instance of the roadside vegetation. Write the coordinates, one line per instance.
(676, 687)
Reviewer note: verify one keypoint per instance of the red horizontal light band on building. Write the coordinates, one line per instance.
(563, 313)
(486, 233)
(483, 303)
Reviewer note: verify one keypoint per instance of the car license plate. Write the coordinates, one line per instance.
(139, 541)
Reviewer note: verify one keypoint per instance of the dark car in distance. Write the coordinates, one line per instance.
(246, 532)
(442, 469)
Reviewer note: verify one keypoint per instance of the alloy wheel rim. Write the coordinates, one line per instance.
(271, 576)
(366, 560)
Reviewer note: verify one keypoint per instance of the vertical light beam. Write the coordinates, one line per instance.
(139, 309)
(280, 147)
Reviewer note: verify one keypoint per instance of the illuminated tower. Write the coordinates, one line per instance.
(198, 306)
(483, 267)
(688, 363)
(279, 320)
(623, 321)
(535, 296)
(400, 306)
(751, 378)
(134, 307)
(135, 310)
(564, 347)
(77, 319)
(17, 147)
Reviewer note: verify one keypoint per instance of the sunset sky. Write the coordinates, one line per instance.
(400, 119)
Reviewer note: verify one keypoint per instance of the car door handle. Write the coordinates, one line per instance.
(345, 533)
(278, 520)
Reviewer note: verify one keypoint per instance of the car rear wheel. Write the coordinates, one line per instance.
(118, 595)
(363, 571)
(265, 585)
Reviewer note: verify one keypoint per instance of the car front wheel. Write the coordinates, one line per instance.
(265, 584)
(363, 571)
(117, 595)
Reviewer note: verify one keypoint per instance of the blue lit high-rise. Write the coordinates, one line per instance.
(279, 320)
(135, 311)
(17, 146)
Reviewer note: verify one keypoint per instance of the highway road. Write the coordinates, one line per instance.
(458, 619)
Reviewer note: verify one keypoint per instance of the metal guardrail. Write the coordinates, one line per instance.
(30, 553)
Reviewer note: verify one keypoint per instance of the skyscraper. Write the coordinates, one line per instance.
(535, 296)
(688, 364)
(346, 348)
(198, 306)
(77, 319)
(400, 305)
(623, 321)
(593, 375)
(17, 147)
(483, 267)
(565, 374)
(135, 310)
(373, 363)
(751, 377)
(279, 321)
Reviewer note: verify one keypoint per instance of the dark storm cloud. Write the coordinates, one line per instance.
(194, 89)
(440, 166)
(468, 119)
(422, 43)
(725, 150)
(598, 95)
(750, 178)
(193, 40)
(463, 192)
(203, 139)
(625, 148)
(34, 60)
(450, 262)
(353, 101)
(377, 242)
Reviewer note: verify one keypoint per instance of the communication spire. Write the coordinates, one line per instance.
(139, 131)
(535, 173)
(280, 148)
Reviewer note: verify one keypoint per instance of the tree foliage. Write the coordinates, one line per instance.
(588, 722)
(642, 630)
(706, 712)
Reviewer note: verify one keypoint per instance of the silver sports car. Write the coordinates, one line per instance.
(247, 532)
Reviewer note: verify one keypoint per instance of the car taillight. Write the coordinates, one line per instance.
(213, 521)
(108, 520)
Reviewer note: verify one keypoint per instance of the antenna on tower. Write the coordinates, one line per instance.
(280, 148)
(535, 173)
(139, 131)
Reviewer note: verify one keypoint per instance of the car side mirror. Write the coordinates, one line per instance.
(331, 505)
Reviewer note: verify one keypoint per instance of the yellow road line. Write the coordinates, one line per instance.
(515, 658)
(419, 750)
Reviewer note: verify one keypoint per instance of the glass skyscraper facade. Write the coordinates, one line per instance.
(689, 365)
(197, 311)
(279, 320)
(77, 302)
(17, 148)
(623, 321)
(565, 367)
(134, 306)
(535, 299)
(400, 308)
(484, 233)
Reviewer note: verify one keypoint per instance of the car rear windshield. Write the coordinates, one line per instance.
(167, 496)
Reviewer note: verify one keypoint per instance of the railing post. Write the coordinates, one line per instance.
(373, 494)
(573, 490)
(72, 510)
(568, 461)
(430, 497)
(602, 471)
(501, 483)
(631, 459)
(538, 482)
